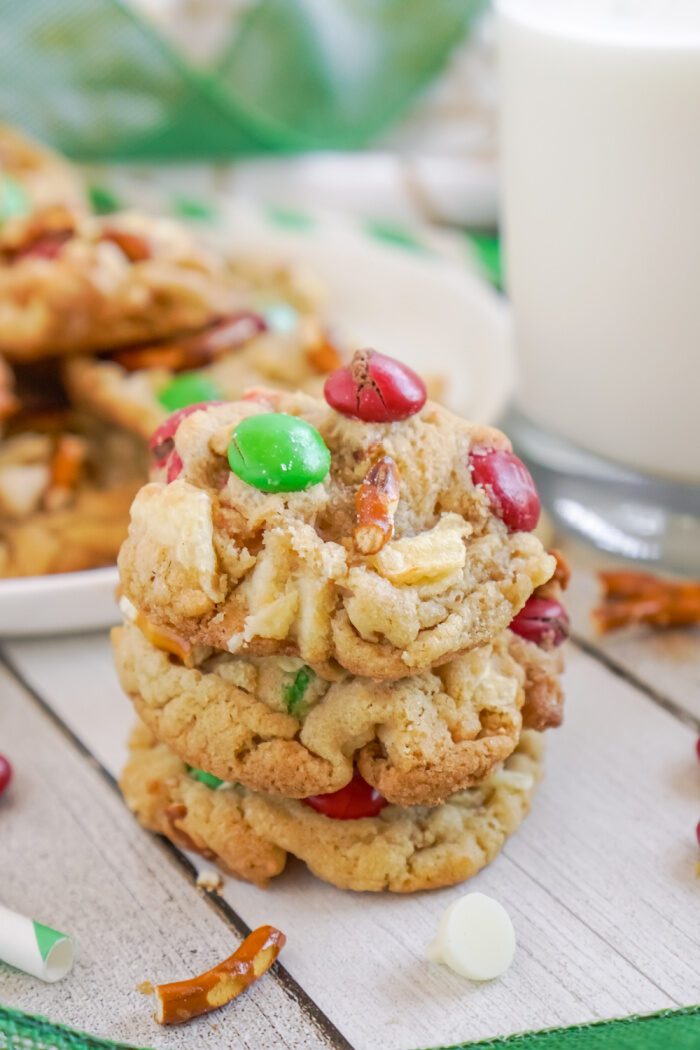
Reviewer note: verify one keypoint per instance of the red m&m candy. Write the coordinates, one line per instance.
(543, 621)
(375, 389)
(356, 800)
(160, 443)
(509, 486)
(5, 773)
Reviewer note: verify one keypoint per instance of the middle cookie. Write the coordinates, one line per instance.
(278, 726)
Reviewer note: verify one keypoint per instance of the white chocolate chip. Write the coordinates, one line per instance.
(475, 938)
(513, 778)
(128, 609)
(22, 488)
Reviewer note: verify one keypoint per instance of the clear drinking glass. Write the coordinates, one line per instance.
(600, 128)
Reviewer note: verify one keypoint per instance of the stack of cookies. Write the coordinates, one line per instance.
(341, 634)
(108, 325)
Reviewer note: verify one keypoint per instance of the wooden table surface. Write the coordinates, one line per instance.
(600, 879)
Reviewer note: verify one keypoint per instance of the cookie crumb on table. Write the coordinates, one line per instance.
(210, 880)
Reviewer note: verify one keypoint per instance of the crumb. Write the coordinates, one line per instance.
(145, 988)
(210, 880)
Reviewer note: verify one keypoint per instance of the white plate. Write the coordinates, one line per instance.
(430, 311)
(66, 603)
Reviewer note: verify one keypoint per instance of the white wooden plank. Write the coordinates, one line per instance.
(599, 880)
(667, 661)
(72, 858)
(76, 675)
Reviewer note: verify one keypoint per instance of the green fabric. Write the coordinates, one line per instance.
(20, 1031)
(97, 81)
(332, 75)
(667, 1030)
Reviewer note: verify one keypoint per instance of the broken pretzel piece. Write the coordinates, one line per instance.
(193, 350)
(164, 638)
(132, 245)
(68, 459)
(8, 402)
(183, 1000)
(40, 235)
(376, 501)
(642, 598)
(65, 468)
(322, 354)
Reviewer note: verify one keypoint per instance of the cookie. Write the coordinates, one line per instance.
(400, 849)
(277, 726)
(65, 493)
(100, 283)
(158, 789)
(224, 564)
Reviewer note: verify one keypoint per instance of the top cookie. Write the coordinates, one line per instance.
(394, 550)
(100, 283)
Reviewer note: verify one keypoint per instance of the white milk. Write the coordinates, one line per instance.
(601, 199)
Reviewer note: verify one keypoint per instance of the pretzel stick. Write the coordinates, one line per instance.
(193, 350)
(376, 501)
(172, 356)
(638, 597)
(183, 1000)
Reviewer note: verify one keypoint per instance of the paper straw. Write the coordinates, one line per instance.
(33, 947)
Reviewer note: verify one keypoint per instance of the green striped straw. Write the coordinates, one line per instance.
(34, 948)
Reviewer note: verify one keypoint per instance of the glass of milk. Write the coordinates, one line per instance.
(601, 217)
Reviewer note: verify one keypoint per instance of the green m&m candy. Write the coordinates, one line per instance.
(14, 202)
(204, 778)
(295, 690)
(275, 452)
(189, 388)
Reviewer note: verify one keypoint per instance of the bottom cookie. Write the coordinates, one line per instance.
(401, 849)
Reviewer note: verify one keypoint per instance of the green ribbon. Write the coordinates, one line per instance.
(98, 81)
(666, 1030)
